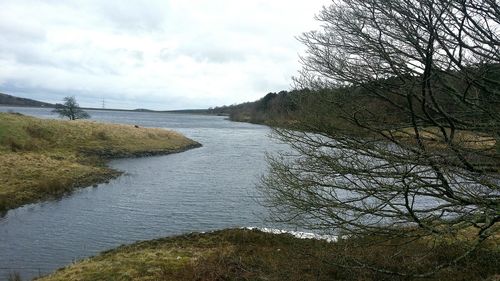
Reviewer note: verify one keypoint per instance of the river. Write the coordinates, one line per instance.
(203, 189)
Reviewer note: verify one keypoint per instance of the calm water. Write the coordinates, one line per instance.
(203, 189)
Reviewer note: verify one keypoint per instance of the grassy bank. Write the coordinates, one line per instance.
(253, 255)
(42, 158)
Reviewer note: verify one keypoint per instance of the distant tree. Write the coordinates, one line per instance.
(70, 109)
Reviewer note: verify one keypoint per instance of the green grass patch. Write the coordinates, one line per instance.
(40, 158)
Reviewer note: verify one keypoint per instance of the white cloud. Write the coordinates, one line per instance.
(158, 54)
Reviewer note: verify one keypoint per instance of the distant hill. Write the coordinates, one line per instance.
(11, 100)
(143, 110)
(189, 111)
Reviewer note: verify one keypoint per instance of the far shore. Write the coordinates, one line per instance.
(180, 111)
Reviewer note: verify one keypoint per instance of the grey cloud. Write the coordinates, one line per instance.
(66, 57)
(211, 53)
(265, 85)
(135, 15)
(138, 55)
(9, 33)
(212, 48)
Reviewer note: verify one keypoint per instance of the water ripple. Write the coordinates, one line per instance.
(199, 190)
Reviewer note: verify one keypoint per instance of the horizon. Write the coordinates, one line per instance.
(104, 108)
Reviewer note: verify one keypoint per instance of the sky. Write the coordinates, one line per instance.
(155, 54)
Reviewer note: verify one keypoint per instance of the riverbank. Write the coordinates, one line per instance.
(43, 159)
(243, 254)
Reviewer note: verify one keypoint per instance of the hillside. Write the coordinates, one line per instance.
(17, 101)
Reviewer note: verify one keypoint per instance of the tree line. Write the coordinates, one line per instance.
(295, 107)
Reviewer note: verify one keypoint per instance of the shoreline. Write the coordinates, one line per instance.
(109, 173)
(46, 159)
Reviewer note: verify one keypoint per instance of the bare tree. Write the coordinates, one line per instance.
(405, 141)
(70, 109)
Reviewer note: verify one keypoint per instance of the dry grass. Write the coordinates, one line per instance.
(254, 255)
(40, 158)
(28, 177)
(433, 137)
(477, 148)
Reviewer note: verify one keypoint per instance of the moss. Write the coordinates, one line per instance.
(41, 159)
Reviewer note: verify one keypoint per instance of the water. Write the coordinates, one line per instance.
(203, 189)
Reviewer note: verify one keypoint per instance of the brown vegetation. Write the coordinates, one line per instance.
(253, 255)
(46, 158)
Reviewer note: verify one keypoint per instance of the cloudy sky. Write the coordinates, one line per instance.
(158, 54)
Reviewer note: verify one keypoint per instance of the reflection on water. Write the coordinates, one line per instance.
(203, 189)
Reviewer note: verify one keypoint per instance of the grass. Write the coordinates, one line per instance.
(477, 148)
(238, 254)
(43, 158)
(433, 137)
